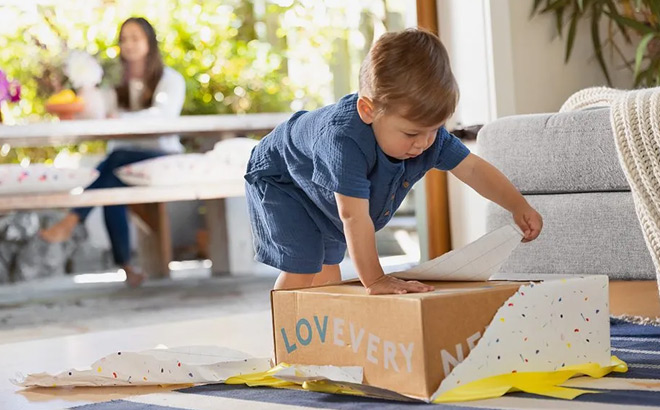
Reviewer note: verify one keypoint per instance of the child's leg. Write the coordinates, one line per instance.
(288, 280)
(329, 274)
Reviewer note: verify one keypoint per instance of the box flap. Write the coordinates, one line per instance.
(476, 261)
(542, 327)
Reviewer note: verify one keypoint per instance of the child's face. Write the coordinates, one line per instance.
(396, 136)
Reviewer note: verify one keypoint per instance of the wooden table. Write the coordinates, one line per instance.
(148, 202)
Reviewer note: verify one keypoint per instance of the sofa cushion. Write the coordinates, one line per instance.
(555, 153)
(587, 233)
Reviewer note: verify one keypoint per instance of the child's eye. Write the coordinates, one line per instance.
(411, 134)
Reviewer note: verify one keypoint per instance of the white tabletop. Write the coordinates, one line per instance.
(72, 131)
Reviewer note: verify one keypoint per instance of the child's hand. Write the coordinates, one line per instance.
(529, 221)
(388, 285)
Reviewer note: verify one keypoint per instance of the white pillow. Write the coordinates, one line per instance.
(227, 161)
(39, 178)
(233, 152)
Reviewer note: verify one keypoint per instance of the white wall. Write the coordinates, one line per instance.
(467, 46)
(507, 63)
(536, 73)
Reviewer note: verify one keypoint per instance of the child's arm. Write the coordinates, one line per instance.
(361, 241)
(490, 183)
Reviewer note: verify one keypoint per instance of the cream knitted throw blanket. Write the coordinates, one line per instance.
(635, 119)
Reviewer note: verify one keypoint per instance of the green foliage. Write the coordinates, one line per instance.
(227, 68)
(637, 21)
(237, 56)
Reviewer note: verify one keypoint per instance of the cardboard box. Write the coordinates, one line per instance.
(406, 343)
(637, 298)
(420, 345)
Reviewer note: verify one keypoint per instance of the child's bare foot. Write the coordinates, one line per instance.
(61, 231)
(134, 278)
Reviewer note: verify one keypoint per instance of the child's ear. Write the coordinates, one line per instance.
(365, 108)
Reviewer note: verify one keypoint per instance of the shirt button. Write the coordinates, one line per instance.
(386, 213)
(392, 197)
(406, 184)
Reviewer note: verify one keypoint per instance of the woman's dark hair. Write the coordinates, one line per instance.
(153, 70)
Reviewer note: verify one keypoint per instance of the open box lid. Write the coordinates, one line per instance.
(476, 261)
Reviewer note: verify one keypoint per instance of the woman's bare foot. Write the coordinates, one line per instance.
(62, 230)
(134, 278)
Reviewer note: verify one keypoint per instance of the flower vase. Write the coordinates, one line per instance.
(94, 103)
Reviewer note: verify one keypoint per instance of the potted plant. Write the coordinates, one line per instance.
(637, 22)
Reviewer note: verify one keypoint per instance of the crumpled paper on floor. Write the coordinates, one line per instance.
(347, 380)
(212, 364)
(182, 365)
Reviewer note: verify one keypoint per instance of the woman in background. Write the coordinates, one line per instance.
(148, 89)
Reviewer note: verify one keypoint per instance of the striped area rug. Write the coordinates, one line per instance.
(639, 388)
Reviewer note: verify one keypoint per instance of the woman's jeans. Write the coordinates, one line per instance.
(116, 216)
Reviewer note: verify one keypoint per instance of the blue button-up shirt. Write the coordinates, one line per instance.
(317, 153)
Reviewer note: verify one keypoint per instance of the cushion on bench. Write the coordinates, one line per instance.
(227, 161)
(41, 178)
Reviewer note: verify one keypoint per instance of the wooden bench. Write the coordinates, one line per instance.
(124, 195)
(149, 204)
(146, 202)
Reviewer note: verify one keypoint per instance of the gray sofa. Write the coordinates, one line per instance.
(566, 165)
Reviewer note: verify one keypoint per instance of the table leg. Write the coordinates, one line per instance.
(216, 223)
(154, 238)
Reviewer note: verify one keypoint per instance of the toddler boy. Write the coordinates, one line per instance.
(329, 179)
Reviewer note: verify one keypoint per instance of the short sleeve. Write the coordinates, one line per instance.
(452, 151)
(340, 166)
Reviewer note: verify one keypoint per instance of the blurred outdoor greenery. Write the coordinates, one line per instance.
(237, 56)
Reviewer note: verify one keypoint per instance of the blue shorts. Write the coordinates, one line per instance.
(285, 235)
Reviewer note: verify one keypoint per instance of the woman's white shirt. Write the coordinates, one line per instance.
(169, 95)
